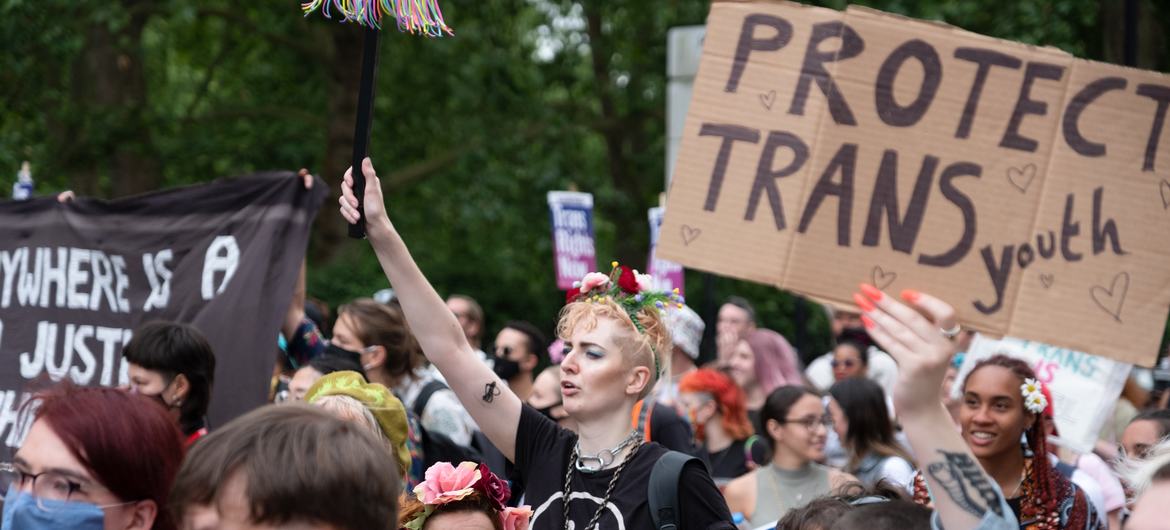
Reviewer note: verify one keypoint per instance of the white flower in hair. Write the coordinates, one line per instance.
(1034, 399)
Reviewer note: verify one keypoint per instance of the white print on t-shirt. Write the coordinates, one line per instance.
(593, 503)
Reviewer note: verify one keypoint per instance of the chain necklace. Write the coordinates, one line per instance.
(604, 458)
(574, 463)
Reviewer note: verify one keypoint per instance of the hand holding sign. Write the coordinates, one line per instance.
(914, 340)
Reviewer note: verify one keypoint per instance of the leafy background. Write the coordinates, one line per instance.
(125, 96)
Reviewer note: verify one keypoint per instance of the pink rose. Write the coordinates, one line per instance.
(516, 518)
(592, 281)
(445, 483)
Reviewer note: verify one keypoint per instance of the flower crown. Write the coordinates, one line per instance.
(1033, 393)
(446, 483)
(630, 290)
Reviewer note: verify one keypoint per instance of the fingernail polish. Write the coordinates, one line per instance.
(868, 322)
(910, 295)
(862, 302)
(872, 292)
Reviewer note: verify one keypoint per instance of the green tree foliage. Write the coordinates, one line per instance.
(124, 96)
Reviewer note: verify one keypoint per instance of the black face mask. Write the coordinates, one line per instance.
(505, 368)
(333, 349)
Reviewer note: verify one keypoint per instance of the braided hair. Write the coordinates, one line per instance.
(1045, 489)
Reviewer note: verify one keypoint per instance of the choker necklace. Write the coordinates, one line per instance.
(594, 463)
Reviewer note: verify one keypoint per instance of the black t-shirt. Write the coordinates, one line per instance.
(733, 460)
(543, 450)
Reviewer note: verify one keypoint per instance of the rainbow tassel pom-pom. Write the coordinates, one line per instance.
(414, 16)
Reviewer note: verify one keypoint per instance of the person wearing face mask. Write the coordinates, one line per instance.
(518, 348)
(173, 363)
(93, 459)
(378, 335)
(797, 424)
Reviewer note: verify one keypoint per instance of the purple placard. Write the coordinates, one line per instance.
(572, 230)
(667, 274)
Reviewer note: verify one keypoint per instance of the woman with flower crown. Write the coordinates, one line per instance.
(1002, 421)
(615, 340)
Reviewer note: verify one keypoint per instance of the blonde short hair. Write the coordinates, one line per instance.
(647, 346)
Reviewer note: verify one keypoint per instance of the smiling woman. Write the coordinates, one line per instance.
(615, 339)
(797, 424)
(1002, 404)
(94, 458)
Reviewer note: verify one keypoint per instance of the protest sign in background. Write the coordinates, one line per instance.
(1028, 188)
(77, 278)
(572, 226)
(667, 274)
(1084, 387)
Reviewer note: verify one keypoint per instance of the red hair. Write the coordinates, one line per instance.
(1049, 486)
(127, 441)
(732, 404)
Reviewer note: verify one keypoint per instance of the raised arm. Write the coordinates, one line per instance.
(963, 494)
(489, 401)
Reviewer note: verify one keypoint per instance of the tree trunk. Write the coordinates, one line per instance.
(109, 86)
(344, 67)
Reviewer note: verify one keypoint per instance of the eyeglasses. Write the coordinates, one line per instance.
(847, 363)
(811, 423)
(46, 486)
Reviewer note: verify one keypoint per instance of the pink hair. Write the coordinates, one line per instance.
(775, 359)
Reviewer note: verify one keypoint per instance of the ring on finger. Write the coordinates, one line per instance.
(951, 333)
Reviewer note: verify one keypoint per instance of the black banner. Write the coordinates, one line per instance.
(77, 278)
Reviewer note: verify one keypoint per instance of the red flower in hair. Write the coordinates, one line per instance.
(572, 294)
(627, 281)
(492, 488)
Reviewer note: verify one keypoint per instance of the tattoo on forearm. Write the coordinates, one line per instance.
(490, 392)
(957, 474)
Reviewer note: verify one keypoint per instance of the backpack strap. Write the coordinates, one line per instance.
(662, 492)
(424, 396)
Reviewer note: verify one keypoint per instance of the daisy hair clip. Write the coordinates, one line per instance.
(1033, 393)
(447, 484)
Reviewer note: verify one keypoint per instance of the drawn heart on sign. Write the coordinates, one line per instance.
(882, 279)
(1046, 280)
(1112, 299)
(690, 234)
(768, 99)
(1165, 188)
(1021, 178)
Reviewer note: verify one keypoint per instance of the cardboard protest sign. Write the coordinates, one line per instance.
(667, 274)
(76, 279)
(572, 226)
(1028, 188)
(1084, 387)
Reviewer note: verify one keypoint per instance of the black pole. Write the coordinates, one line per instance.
(1130, 51)
(362, 123)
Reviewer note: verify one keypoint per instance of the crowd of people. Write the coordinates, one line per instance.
(402, 419)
